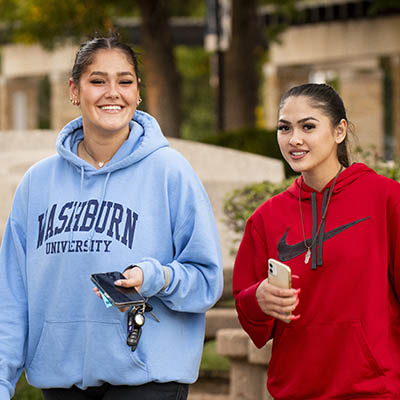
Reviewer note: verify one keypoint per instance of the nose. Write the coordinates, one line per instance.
(112, 91)
(296, 138)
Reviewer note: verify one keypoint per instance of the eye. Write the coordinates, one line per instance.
(97, 81)
(308, 127)
(283, 128)
(126, 82)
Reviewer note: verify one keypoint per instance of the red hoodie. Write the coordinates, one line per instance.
(346, 344)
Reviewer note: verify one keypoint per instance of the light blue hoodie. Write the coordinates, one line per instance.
(69, 220)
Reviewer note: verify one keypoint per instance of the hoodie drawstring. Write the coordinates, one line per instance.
(71, 234)
(322, 232)
(314, 229)
(103, 195)
(317, 247)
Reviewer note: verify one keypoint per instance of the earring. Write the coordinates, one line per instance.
(139, 101)
(75, 102)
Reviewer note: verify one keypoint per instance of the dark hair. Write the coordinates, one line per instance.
(84, 56)
(326, 98)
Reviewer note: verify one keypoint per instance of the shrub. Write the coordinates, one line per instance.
(241, 203)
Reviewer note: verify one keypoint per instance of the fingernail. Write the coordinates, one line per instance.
(294, 317)
(118, 282)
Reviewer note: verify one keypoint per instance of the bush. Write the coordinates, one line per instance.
(241, 203)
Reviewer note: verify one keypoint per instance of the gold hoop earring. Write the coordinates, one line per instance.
(75, 102)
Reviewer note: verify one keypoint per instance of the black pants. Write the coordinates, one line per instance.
(149, 391)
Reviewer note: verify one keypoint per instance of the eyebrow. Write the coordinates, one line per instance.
(300, 120)
(106, 74)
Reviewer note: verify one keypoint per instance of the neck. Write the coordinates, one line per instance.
(99, 146)
(319, 179)
(98, 152)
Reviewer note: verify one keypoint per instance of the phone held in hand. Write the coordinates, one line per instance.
(279, 274)
(119, 296)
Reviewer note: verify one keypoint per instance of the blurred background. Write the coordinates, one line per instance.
(213, 71)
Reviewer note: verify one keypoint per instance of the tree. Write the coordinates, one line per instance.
(240, 65)
(163, 83)
(51, 22)
(243, 59)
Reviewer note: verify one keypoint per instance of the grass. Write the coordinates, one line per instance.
(24, 391)
(211, 361)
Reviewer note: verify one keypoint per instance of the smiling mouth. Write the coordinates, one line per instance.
(111, 108)
(298, 154)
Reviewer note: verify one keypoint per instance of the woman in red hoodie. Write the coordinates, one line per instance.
(337, 332)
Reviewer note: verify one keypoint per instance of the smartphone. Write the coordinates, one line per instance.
(279, 274)
(119, 296)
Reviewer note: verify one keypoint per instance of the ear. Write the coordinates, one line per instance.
(341, 131)
(73, 89)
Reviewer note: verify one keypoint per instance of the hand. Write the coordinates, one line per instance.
(134, 278)
(276, 302)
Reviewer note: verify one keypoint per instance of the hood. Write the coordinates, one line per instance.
(314, 245)
(345, 178)
(145, 137)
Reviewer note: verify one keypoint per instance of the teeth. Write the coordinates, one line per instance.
(111, 107)
(298, 153)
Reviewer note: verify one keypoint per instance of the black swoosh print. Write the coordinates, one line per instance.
(288, 251)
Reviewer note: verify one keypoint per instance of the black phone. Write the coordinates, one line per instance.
(119, 296)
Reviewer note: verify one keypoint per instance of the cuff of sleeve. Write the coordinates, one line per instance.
(250, 304)
(4, 393)
(153, 277)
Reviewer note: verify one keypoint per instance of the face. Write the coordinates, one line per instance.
(108, 93)
(306, 137)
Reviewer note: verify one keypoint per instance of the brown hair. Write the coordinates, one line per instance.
(88, 49)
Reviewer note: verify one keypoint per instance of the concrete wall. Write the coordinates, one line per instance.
(331, 42)
(221, 170)
(349, 52)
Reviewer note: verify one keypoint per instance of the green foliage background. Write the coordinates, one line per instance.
(240, 204)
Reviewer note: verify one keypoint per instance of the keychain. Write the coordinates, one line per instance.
(136, 320)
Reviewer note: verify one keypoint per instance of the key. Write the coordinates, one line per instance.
(149, 309)
(136, 320)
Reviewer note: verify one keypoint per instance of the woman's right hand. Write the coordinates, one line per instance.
(276, 302)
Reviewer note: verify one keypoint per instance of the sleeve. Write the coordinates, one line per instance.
(249, 271)
(193, 280)
(13, 310)
(394, 246)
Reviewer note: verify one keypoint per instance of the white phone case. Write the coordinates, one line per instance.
(279, 274)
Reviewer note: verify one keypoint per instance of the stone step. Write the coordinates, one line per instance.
(220, 318)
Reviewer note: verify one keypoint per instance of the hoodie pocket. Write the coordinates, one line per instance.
(88, 352)
(323, 361)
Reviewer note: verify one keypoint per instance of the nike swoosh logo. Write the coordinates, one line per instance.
(288, 251)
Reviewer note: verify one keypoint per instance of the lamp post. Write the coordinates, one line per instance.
(217, 40)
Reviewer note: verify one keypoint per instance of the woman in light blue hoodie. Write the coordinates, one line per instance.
(115, 195)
